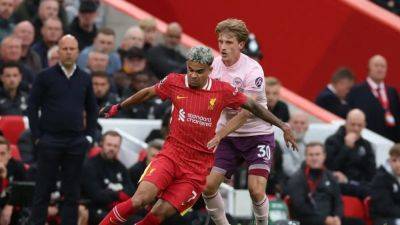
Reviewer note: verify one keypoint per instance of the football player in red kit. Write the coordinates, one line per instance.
(177, 175)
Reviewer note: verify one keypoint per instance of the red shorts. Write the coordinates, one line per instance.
(179, 186)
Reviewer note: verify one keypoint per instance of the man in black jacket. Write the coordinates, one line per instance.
(350, 156)
(64, 96)
(276, 106)
(385, 191)
(106, 181)
(333, 97)
(379, 102)
(83, 27)
(314, 193)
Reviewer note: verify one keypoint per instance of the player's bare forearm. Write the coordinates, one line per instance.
(139, 97)
(261, 112)
(234, 123)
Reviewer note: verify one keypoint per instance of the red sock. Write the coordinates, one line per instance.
(150, 219)
(119, 214)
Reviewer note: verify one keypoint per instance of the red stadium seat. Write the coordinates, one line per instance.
(142, 155)
(94, 151)
(353, 207)
(12, 127)
(367, 206)
(15, 152)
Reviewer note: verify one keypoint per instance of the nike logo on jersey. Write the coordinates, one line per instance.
(180, 97)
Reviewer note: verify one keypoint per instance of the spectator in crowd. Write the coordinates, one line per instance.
(51, 32)
(101, 89)
(107, 181)
(276, 106)
(97, 61)
(166, 57)
(11, 50)
(252, 48)
(385, 190)
(25, 147)
(6, 10)
(13, 101)
(133, 37)
(314, 193)
(103, 42)
(136, 171)
(378, 101)
(350, 156)
(391, 5)
(333, 97)
(63, 93)
(47, 9)
(164, 129)
(10, 170)
(151, 109)
(149, 27)
(83, 27)
(134, 61)
(291, 161)
(53, 56)
(25, 31)
(28, 10)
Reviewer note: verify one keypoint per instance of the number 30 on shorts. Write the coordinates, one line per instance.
(264, 151)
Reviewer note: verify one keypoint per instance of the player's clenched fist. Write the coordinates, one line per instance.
(110, 110)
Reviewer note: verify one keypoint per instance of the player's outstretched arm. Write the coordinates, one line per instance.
(232, 125)
(261, 112)
(139, 97)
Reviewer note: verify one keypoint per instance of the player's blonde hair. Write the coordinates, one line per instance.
(201, 54)
(237, 27)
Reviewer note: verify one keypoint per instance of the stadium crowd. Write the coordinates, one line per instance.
(312, 180)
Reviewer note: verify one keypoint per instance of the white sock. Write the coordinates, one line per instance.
(260, 210)
(215, 208)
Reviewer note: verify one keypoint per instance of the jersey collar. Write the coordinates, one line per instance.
(206, 87)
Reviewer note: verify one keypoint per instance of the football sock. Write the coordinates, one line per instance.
(260, 210)
(119, 214)
(215, 208)
(149, 219)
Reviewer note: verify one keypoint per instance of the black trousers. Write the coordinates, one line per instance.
(64, 155)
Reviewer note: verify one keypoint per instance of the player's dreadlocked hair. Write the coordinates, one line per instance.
(201, 54)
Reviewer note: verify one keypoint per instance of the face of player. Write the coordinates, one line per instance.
(4, 154)
(110, 147)
(151, 152)
(343, 87)
(6, 8)
(315, 157)
(104, 43)
(272, 93)
(101, 86)
(229, 47)
(395, 165)
(197, 74)
(11, 78)
(68, 51)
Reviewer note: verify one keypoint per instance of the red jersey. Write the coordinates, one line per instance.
(195, 112)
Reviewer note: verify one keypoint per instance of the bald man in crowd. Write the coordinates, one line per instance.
(133, 37)
(166, 57)
(350, 156)
(26, 33)
(11, 51)
(61, 133)
(378, 101)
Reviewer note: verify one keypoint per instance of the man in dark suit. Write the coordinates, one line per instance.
(333, 97)
(378, 101)
(62, 131)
